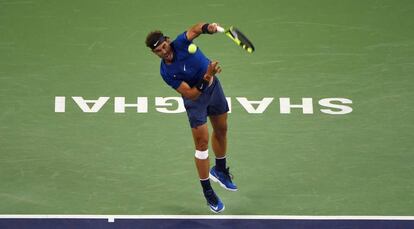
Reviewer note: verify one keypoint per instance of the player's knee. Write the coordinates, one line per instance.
(201, 144)
(221, 131)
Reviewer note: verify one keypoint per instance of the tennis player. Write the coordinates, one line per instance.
(193, 75)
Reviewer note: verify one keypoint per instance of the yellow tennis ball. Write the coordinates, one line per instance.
(192, 48)
(249, 50)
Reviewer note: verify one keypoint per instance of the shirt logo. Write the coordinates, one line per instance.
(184, 68)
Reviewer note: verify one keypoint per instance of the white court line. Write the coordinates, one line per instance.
(112, 218)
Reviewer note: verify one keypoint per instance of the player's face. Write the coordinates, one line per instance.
(164, 51)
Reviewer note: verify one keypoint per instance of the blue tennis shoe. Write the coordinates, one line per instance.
(213, 201)
(223, 178)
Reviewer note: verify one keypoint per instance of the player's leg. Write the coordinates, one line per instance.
(217, 112)
(197, 116)
(200, 136)
(219, 135)
(220, 173)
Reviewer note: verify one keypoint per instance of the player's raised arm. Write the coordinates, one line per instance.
(200, 28)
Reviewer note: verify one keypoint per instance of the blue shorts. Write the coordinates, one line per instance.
(211, 102)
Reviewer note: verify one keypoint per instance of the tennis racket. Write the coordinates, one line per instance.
(238, 37)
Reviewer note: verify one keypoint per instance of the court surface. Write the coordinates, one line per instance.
(141, 163)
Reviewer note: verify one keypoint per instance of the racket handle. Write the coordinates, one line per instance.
(220, 29)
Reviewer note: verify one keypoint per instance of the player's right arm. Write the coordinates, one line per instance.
(193, 92)
(188, 92)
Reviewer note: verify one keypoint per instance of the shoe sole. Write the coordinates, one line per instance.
(213, 178)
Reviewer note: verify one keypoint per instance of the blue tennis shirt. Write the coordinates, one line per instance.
(185, 66)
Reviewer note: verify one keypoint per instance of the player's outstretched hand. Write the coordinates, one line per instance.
(212, 69)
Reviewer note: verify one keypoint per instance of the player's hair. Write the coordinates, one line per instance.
(153, 37)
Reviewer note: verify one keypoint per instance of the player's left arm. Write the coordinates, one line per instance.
(193, 92)
(200, 28)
